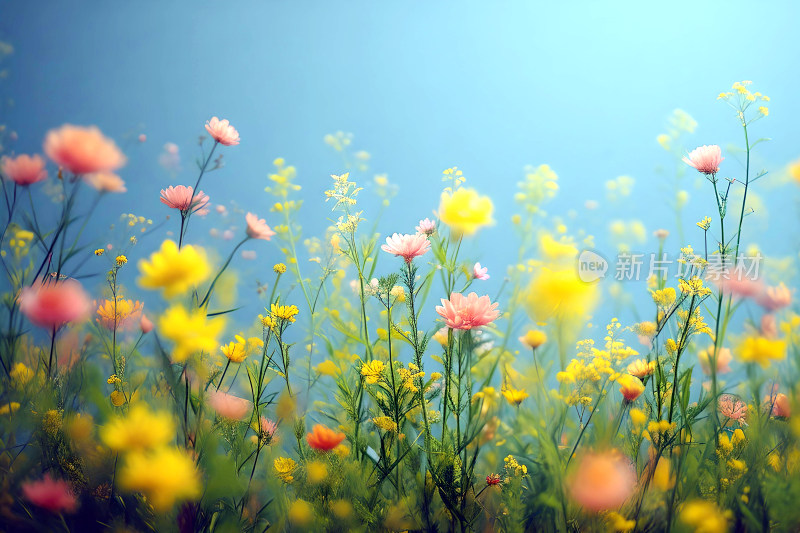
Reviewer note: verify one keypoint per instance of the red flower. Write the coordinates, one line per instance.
(53, 495)
(323, 438)
(493, 479)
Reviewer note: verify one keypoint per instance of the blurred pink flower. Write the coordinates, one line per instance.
(142, 137)
(249, 255)
(407, 246)
(777, 403)
(183, 199)
(602, 481)
(732, 407)
(53, 304)
(82, 150)
(105, 182)
(769, 326)
(480, 273)
(723, 360)
(705, 159)
(740, 286)
(222, 131)
(426, 227)
(24, 169)
(468, 312)
(54, 495)
(146, 324)
(257, 228)
(774, 298)
(220, 209)
(229, 406)
(227, 234)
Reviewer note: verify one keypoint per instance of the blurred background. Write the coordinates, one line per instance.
(489, 87)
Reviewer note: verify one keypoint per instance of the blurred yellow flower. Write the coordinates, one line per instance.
(175, 271)
(284, 468)
(560, 294)
(191, 331)
(465, 211)
(165, 475)
(703, 516)
(327, 368)
(761, 350)
(514, 396)
(533, 338)
(140, 429)
(316, 472)
(301, 513)
(21, 374)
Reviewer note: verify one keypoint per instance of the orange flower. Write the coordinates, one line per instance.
(323, 438)
(602, 481)
(121, 316)
(82, 150)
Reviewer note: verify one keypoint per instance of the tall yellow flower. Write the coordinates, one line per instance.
(465, 211)
(166, 476)
(141, 429)
(173, 270)
(191, 331)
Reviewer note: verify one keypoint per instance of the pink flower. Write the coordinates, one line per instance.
(426, 227)
(733, 408)
(183, 199)
(723, 360)
(480, 273)
(740, 286)
(53, 304)
(222, 131)
(227, 234)
(769, 326)
(220, 209)
(82, 150)
(142, 137)
(602, 481)
(257, 228)
(146, 324)
(268, 428)
(705, 159)
(249, 255)
(229, 406)
(774, 298)
(468, 312)
(105, 182)
(407, 246)
(24, 169)
(777, 403)
(54, 495)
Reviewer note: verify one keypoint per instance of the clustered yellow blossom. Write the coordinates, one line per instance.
(740, 98)
(693, 287)
(514, 468)
(372, 371)
(279, 268)
(284, 312)
(704, 224)
(237, 351)
(284, 469)
(385, 423)
(664, 298)
(121, 260)
(409, 375)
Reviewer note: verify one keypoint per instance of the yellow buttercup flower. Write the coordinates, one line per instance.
(175, 271)
(284, 312)
(761, 350)
(140, 429)
(234, 351)
(191, 331)
(465, 211)
(514, 396)
(533, 338)
(166, 476)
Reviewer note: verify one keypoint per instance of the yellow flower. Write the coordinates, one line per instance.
(617, 523)
(664, 298)
(704, 517)
(704, 224)
(514, 396)
(316, 472)
(465, 211)
(119, 314)
(372, 371)
(638, 417)
(9, 408)
(165, 475)
(284, 468)
(121, 260)
(385, 423)
(99, 251)
(763, 110)
(284, 312)
(327, 368)
(234, 351)
(21, 374)
(175, 271)
(533, 338)
(191, 331)
(761, 350)
(561, 294)
(279, 268)
(140, 429)
(647, 329)
(301, 513)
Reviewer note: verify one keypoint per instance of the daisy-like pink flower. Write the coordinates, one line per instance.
(82, 150)
(268, 428)
(257, 228)
(407, 246)
(733, 408)
(51, 494)
(705, 159)
(105, 182)
(229, 406)
(480, 273)
(52, 304)
(426, 227)
(24, 169)
(222, 131)
(602, 481)
(183, 199)
(460, 312)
